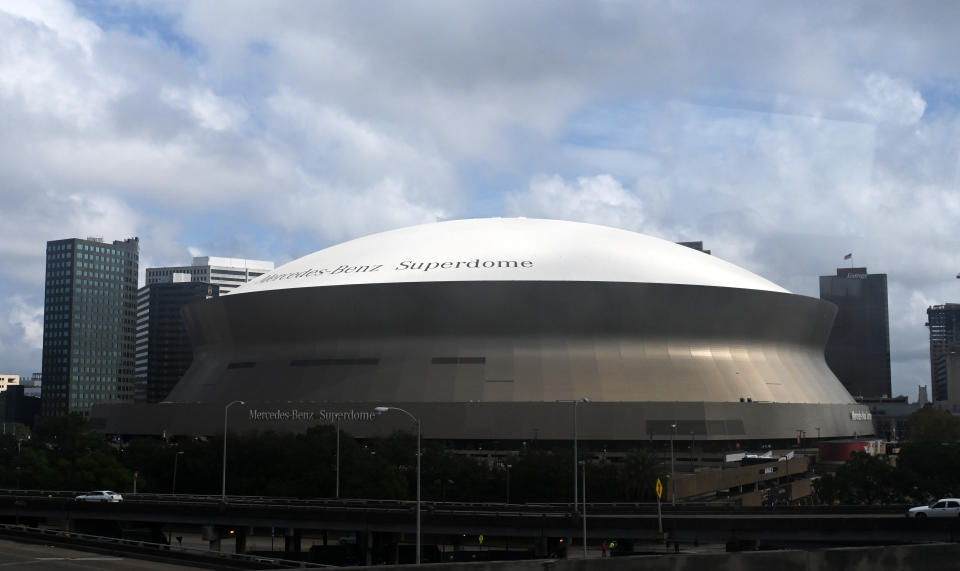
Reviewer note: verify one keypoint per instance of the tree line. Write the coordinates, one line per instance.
(62, 454)
(926, 468)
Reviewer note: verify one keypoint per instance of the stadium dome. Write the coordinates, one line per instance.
(507, 249)
(482, 328)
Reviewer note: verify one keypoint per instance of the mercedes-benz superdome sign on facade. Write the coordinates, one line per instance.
(488, 329)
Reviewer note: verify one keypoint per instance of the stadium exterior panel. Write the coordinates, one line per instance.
(490, 329)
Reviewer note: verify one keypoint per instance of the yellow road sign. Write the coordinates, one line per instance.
(659, 489)
(480, 539)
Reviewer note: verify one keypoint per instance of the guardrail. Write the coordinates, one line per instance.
(148, 550)
(597, 508)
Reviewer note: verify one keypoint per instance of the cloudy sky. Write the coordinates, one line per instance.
(783, 135)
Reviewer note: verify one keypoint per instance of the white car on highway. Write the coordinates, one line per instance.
(100, 496)
(946, 507)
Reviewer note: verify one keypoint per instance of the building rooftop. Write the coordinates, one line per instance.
(508, 249)
(232, 263)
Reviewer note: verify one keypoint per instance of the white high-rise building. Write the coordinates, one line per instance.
(228, 273)
(8, 380)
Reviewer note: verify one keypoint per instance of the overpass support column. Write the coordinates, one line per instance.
(540, 548)
(240, 545)
(386, 548)
(211, 533)
(365, 547)
(394, 558)
(291, 540)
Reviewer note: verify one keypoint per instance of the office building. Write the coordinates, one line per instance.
(489, 330)
(8, 381)
(88, 323)
(163, 348)
(944, 324)
(17, 406)
(228, 273)
(858, 350)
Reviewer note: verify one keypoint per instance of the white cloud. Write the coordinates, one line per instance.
(599, 199)
(211, 111)
(782, 136)
(59, 18)
(22, 323)
(340, 214)
(47, 65)
(887, 99)
(29, 319)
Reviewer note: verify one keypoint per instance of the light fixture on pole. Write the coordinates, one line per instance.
(383, 409)
(226, 411)
(176, 457)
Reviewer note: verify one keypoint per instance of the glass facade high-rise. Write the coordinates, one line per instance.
(944, 324)
(88, 323)
(858, 351)
(164, 352)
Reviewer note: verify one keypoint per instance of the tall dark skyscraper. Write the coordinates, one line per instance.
(858, 350)
(164, 352)
(88, 323)
(944, 324)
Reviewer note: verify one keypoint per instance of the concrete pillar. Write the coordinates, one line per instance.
(395, 550)
(540, 547)
(241, 540)
(364, 547)
(291, 540)
(211, 534)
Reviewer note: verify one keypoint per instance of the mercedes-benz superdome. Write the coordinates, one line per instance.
(489, 330)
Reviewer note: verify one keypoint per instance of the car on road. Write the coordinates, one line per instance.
(100, 496)
(946, 507)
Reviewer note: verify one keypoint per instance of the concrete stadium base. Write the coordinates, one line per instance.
(730, 422)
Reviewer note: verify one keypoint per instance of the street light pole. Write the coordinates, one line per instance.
(693, 451)
(338, 457)
(584, 515)
(673, 473)
(508, 483)
(176, 457)
(383, 409)
(575, 455)
(226, 410)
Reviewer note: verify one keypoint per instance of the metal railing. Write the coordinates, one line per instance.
(151, 550)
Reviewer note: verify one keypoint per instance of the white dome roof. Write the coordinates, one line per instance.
(507, 249)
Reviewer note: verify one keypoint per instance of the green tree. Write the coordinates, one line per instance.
(542, 476)
(864, 479)
(929, 470)
(641, 468)
(930, 424)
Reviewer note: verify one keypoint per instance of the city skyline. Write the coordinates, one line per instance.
(783, 137)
